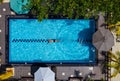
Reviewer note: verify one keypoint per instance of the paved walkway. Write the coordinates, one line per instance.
(22, 71)
(116, 48)
(6, 1)
(4, 10)
(64, 72)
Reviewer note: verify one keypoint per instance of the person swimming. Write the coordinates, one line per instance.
(52, 40)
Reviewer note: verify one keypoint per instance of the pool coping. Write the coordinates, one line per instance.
(34, 17)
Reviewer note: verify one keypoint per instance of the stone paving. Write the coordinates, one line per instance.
(22, 71)
(4, 10)
(64, 72)
(115, 48)
(6, 1)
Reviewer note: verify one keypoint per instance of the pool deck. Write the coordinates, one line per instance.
(62, 72)
(6, 1)
(2, 28)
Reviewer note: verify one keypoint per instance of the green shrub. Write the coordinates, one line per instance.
(1, 1)
(76, 8)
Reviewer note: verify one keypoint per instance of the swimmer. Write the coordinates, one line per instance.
(52, 40)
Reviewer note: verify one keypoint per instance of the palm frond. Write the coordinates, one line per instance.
(115, 72)
(112, 55)
(112, 65)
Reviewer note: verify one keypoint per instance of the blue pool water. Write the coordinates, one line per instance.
(28, 41)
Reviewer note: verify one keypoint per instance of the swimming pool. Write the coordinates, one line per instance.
(28, 41)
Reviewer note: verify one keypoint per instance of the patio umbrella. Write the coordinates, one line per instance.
(101, 21)
(103, 39)
(17, 6)
(44, 74)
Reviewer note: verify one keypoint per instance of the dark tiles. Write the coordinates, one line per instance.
(26, 79)
(22, 71)
(2, 27)
(63, 73)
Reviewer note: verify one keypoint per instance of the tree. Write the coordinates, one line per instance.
(76, 8)
(115, 62)
(115, 28)
(1, 1)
